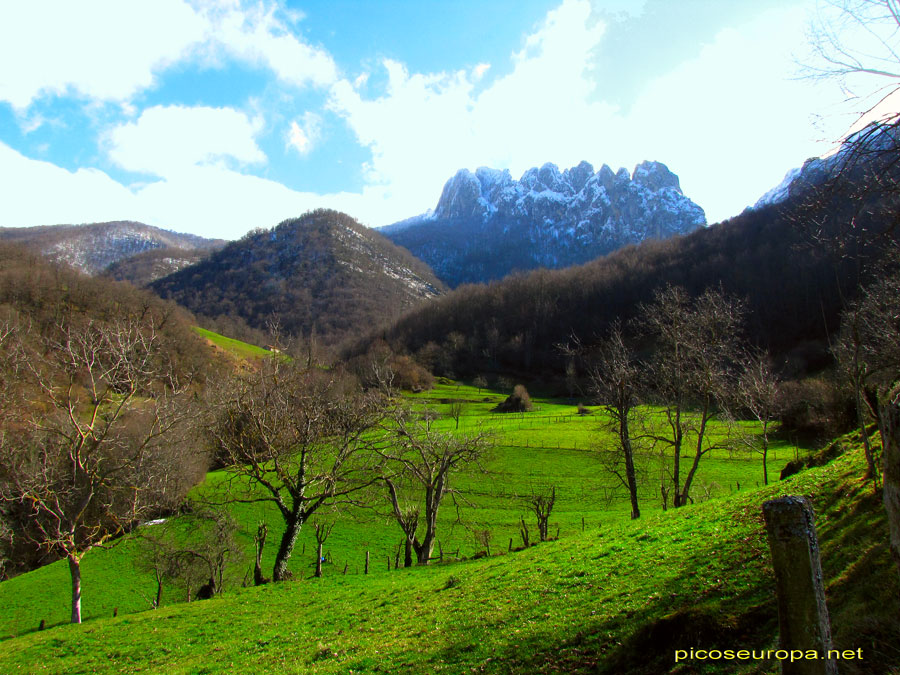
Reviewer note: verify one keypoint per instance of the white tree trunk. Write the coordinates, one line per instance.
(75, 572)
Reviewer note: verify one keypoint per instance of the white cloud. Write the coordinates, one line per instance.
(41, 193)
(210, 200)
(304, 134)
(729, 122)
(480, 70)
(106, 49)
(168, 139)
(732, 121)
(255, 34)
(109, 50)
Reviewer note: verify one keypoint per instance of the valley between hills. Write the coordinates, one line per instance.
(530, 431)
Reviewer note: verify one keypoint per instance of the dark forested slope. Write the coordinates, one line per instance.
(793, 286)
(322, 272)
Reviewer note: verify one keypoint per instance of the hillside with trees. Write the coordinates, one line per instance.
(91, 248)
(322, 274)
(98, 396)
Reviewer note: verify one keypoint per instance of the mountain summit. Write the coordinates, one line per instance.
(487, 224)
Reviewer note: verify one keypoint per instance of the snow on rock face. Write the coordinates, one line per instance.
(461, 197)
(869, 144)
(547, 217)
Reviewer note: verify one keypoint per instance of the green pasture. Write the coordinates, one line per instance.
(620, 598)
(551, 446)
(236, 348)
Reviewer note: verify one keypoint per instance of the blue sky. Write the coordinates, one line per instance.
(216, 117)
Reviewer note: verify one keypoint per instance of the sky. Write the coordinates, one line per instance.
(216, 117)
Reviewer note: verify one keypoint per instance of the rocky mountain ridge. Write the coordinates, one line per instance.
(487, 224)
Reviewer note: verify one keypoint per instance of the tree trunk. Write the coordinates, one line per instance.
(685, 496)
(423, 552)
(630, 476)
(159, 586)
(261, 533)
(75, 573)
(319, 560)
(407, 553)
(285, 548)
(871, 471)
(889, 422)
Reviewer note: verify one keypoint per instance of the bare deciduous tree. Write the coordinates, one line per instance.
(759, 394)
(696, 348)
(104, 445)
(293, 437)
(541, 505)
(455, 410)
(418, 464)
(878, 319)
(323, 530)
(616, 379)
(193, 554)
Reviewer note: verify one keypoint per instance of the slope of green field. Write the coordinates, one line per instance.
(616, 599)
(235, 348)
(551, 446)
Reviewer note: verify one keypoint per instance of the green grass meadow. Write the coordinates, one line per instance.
(571, 605)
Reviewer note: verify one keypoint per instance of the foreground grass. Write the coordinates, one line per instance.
(552, 445)
(617, 600)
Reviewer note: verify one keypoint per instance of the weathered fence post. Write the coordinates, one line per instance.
(367, 563)
(802, 614)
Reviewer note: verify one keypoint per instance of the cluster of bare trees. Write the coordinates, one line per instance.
(693, 370)
(113, 436)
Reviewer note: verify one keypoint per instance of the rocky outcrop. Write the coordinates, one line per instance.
(487, 224)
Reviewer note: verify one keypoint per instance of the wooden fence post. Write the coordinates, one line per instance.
(367, 563)
(802, 614)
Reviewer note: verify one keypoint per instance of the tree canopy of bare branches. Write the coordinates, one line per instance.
(697, 345)
(418, 463)
(293, 437)
(105, 443)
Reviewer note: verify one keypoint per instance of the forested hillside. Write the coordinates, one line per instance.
(323, 273)
(91, 248)
(97, 378)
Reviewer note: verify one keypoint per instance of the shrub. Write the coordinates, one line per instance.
(518, 401)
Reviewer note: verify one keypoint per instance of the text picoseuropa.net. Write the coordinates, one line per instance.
(763, 654)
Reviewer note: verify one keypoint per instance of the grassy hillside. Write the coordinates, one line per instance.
(616, 599)
(232, 347)
(551, 446)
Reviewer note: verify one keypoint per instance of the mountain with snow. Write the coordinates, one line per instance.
(874, 144)
(487, 224)
(93, 247)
